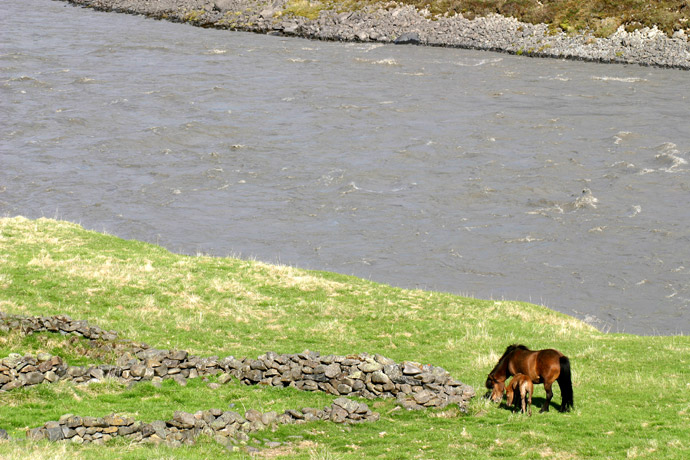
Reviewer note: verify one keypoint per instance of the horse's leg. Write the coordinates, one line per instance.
(523, 397)
(529, 395)
(549, 395)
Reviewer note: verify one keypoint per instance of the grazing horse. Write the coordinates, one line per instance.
(541, 366)
(522, 385)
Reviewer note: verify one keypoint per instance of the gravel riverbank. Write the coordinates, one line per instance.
(406, 25)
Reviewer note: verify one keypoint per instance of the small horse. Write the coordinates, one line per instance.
(522, 385)
(542, 366)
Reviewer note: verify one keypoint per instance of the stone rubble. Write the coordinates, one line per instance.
(389, 22)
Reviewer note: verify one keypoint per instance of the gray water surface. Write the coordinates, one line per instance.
(483, 174)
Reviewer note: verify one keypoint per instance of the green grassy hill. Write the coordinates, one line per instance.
(631, 392)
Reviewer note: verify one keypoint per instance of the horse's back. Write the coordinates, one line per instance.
(549, 355)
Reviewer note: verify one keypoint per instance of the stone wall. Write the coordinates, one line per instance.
(59, 323)
(414, 385)
(226, 427)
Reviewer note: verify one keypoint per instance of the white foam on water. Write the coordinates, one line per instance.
(620, 79)
(371, 47)
(623, 165)
(476, 62)
(555, 78)
(635, 210)
(586, 200)
(621, 136)
(670, 155)
(526, 239)
(355, 187)
(387, 61)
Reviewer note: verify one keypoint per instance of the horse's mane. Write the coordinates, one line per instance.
(513, 347)
(509, 350)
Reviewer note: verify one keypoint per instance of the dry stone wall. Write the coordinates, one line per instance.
(59, 323)
(226, 427)
(414, 385)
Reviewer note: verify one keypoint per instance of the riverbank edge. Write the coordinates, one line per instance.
(404, 24)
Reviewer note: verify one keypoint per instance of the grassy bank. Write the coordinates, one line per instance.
(630, 392)
(601, 17)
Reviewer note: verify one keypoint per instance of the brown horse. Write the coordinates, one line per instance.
(522, 385)
(542, 366)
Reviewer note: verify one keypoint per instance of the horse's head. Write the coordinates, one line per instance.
(496, 387)
(497, 377)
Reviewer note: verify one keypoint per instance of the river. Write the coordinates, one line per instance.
(560, 183)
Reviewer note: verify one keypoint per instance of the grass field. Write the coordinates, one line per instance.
(631, 392)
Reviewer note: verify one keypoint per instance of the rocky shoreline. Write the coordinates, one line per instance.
(401, 24)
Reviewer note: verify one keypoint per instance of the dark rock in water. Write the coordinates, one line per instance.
(408, 38)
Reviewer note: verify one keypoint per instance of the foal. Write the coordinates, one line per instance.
(522, 385)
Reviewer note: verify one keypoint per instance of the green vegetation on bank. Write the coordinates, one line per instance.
(600, 17)
(630, 391)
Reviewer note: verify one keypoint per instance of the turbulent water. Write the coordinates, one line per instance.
(560, 183)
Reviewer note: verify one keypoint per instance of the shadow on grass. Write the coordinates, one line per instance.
(537, 403)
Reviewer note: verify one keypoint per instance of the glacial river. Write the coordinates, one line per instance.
(495, 176)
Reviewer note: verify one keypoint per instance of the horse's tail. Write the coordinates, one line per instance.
(566, 385)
